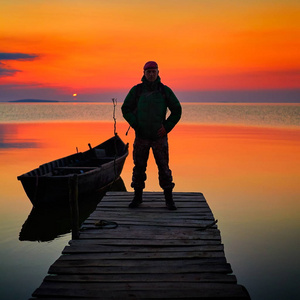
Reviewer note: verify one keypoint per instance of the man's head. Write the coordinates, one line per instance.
(151, 71)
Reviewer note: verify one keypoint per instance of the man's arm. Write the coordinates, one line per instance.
(129, 107)
(175, 109)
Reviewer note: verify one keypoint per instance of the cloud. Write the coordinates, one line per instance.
(5, 70)
(17, 56)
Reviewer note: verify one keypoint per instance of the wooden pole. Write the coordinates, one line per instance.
(73, 200)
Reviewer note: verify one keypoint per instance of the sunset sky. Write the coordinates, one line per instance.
(213, 50)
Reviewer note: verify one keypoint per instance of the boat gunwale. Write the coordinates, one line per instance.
(96, 168)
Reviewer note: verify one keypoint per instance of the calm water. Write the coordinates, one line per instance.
(244, 158)
(278, 115)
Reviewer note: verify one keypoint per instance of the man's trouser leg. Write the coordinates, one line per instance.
(160, 150)
(140, 157)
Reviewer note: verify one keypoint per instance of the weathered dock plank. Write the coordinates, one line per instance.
(190, 277)
(153, 253)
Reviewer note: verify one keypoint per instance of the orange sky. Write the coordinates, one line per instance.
(93, 47)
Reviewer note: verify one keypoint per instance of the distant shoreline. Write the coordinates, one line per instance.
(33, 101)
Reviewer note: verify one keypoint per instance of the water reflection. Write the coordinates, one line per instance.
(46, 224)
(8, 140)
(10, 145)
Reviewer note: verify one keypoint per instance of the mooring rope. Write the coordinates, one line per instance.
(102, 224)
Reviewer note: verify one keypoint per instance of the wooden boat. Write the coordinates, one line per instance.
(96, 168)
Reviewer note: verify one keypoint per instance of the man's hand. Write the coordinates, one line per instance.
(162, 131)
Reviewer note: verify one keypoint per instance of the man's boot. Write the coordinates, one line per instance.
(169, 199)
(137, 199)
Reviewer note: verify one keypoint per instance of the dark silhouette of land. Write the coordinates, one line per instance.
(34, 100)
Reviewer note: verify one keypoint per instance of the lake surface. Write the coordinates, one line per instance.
(244, 158)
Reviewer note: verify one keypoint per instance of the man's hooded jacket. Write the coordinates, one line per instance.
(145, 108)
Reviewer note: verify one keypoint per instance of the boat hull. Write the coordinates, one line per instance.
(49, 184)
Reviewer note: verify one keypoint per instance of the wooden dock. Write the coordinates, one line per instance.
(153, 253)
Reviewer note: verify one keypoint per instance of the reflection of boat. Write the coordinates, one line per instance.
(46, 224)
(96, 168)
